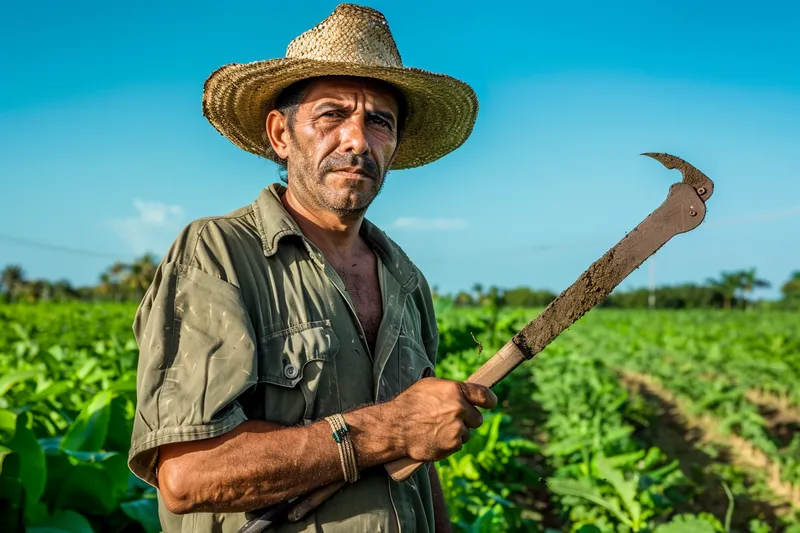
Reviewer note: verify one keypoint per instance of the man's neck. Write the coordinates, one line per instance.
(336, 236)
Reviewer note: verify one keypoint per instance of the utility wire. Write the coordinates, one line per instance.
(759, 217)
(57, 248)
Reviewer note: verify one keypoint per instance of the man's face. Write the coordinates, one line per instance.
(341, 144)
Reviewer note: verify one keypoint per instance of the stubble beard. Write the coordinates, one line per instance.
(309, 186)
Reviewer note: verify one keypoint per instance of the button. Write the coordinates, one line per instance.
(290, 371)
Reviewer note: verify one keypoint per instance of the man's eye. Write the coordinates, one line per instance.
(336, 114)
(381, 122)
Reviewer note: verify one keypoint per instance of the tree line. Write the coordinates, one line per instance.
(127, 282)
(121, 282)
(731, 290)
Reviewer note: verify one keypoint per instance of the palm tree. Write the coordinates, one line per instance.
(107, 286)
(12, 279)
(791, 289)
(140, 275)
(63, 290)
(463, 298)
(750, 282)
(478, 290)
(727, 285)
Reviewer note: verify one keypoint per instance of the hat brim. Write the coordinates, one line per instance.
(441, 109)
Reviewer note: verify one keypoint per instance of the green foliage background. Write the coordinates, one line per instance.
(567, 449)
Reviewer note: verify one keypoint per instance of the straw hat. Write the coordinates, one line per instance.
(354, 41)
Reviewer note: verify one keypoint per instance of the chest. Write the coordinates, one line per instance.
(363, 286)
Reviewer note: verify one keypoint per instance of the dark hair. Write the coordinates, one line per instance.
(289, 99)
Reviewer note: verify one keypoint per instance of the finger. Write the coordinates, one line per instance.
(465, 435)
(478, 395)
(473, 418)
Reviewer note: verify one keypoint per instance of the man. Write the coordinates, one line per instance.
(289, 344)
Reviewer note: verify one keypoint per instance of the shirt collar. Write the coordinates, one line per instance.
(274, 223)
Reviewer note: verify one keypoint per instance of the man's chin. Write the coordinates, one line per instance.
(349, 202)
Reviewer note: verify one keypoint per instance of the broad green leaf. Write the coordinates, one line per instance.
(51, 391)
(685, 524)
(33, 472)
(8, 425)
(63, 521)
(89, 489)
(87, 367)
(120, 425)
(494, 432)
(117, 467)
(11, 491)
(144, 511)
(582, 489)
(126, 383)
(627, 459)
(466, 467)
(9, 380)
(88, 431)
(78, 457)
(625, 488)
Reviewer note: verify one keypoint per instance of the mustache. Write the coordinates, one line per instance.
(364, 164)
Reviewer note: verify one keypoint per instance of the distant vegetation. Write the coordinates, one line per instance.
(732, 290)
(127, 282)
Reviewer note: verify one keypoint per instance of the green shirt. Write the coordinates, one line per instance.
(246, 320)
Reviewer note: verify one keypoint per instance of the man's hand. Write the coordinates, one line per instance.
(436, 416)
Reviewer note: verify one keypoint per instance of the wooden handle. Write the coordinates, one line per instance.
(312, 500)
(489, 374)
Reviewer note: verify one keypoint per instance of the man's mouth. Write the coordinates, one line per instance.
(355, 170)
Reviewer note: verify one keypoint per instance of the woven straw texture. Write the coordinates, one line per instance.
(354, 41)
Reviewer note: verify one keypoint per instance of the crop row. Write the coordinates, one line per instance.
(569, 448)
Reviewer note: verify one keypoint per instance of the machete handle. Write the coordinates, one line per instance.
(489, 374)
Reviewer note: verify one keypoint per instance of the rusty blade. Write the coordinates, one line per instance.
(682, 211)
(701, 183)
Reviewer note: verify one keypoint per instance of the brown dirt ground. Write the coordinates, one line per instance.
(682, 436)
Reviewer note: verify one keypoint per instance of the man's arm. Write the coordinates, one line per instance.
(440, 514)
(259, 463)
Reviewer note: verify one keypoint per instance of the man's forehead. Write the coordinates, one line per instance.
(340, 88)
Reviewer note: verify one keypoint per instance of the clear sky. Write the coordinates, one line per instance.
(103, 147)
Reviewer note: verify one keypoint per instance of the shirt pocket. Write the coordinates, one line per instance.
(413, 361)
(291, 366)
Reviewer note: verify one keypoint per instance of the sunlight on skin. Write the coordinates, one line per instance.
(342, 142)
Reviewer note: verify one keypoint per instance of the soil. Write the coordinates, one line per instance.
(537, 497)
(683, 436)
(783, 419)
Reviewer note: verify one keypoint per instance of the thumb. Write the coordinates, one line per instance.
(478, 395)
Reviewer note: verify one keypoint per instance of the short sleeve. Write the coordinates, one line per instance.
(197, 355)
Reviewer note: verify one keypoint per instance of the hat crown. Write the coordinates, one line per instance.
(351, 34)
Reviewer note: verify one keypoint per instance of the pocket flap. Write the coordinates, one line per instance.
(284, 354)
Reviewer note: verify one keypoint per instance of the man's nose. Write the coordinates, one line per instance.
(354, 136)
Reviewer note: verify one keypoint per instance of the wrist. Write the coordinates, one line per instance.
(377, 434)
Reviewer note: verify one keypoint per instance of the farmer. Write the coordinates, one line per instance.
(268, 328)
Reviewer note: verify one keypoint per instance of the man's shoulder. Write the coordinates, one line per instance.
(213, 235)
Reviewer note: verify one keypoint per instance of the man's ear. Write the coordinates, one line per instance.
(277, 133)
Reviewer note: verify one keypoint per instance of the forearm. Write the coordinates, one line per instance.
(259, 463)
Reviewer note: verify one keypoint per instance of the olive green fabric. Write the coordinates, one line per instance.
(246, 320)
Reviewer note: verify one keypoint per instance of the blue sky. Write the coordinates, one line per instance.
(103, 147)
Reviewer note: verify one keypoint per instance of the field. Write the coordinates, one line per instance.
(631, 421)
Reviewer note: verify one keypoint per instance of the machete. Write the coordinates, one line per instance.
(682, 211)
